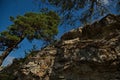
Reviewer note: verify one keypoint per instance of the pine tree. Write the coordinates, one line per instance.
(31, 26)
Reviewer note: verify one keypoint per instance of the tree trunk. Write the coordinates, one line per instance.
(7, 51)
(5, 54)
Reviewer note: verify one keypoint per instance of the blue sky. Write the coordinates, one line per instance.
(14, 8)
(20, 7)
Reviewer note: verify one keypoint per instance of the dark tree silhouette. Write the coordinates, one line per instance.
(82, 10)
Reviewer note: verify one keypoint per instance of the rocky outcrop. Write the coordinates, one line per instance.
(81, 54)
(75, 33)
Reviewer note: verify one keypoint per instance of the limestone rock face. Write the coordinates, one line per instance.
(77, 57)
(75, 33)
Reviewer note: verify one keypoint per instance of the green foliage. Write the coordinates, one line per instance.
(9, 36)
(38, 26)
(42, 26)
(32, 26)
(11, 18)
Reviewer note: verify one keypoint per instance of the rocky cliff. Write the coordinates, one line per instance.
(88, 53)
